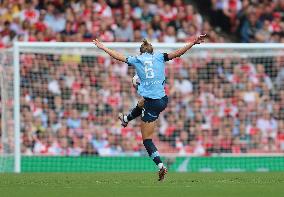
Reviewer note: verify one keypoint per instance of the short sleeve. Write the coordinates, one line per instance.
(131, 60)
(163, 57)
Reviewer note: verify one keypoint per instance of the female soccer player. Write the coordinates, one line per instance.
(150, 68)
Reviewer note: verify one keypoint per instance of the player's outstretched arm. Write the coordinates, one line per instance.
(181, 51)
(112, 53)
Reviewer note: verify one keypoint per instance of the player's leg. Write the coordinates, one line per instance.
(134, 113)
(137, 111)
(147, 130)
(150, 114)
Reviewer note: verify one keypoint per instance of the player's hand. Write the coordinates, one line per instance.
(98, 44)
(200, 39)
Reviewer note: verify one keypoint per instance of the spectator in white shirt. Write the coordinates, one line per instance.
(267, 125)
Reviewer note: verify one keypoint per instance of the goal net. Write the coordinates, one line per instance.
(225, 112)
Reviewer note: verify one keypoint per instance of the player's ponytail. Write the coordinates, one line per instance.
(146, 47)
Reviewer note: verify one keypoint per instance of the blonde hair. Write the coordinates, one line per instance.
(146, 47)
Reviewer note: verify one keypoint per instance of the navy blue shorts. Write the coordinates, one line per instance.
(152, 108)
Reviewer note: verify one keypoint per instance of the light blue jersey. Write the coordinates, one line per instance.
(150, 69)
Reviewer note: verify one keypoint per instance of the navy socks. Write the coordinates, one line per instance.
(135, 112)
(153, 152)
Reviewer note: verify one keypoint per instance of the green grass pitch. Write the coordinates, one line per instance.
(142, 184)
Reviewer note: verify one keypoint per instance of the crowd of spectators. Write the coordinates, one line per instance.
(113, 20)
(69, 104)
(157, 20)
(250, 20)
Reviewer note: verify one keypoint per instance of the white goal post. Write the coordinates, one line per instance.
(201, 51)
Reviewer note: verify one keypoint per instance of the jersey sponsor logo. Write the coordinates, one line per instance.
(152, 82)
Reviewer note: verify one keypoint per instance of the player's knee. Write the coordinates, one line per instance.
(140, 103)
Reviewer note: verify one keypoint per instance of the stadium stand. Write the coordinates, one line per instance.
(60, 116)
(250, 20)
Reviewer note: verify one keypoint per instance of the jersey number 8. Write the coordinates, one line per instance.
(149, 71)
